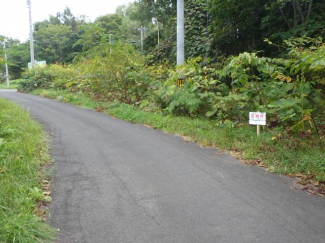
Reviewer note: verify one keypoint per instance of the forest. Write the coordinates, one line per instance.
(241, 56)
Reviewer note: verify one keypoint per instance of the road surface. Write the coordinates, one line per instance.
(119, 182)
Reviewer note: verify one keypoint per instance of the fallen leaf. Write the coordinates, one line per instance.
(46, 193)
(299, 174)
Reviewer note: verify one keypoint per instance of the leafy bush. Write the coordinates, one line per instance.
(36, 78)
(53, 76)
(289, 89)
(113, 72)
(194, 97)
(105, 72)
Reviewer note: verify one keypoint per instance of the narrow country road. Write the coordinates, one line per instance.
(119, 182)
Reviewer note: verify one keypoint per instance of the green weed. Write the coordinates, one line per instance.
(13, 84)
(23, 150)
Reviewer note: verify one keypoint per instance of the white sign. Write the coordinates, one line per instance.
(37, 64)
(257, 118)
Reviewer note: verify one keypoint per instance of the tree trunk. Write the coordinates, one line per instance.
(309, 9)
(295, 22)
(300, 13)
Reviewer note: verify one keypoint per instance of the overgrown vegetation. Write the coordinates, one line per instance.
(23, 152)
(290, 89)
(13, 84)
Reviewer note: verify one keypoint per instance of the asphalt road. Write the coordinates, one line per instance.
(119, 182)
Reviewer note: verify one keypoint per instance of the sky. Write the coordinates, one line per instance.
(14, 17)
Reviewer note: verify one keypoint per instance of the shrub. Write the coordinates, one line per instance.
(53, 76)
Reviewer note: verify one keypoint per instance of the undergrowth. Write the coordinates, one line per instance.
(12, 85)
(23, 152)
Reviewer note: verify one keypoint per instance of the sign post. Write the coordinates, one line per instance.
(258, 119)
(180, 82)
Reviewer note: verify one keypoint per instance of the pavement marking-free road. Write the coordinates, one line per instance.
(8, 90)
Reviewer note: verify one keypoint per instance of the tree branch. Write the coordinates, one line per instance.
(284, 17)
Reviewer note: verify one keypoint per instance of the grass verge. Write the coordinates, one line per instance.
(23, 153)
(13, 84)
(294, 156)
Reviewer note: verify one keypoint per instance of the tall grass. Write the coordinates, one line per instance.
(23, 151)
(13, 84)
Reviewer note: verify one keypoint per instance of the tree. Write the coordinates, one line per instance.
(289, 18)
(90, 36)
(53, 43)
(64, 25)
(18, 58)
(243, 25)
(110, 23)
(129, 26)
(2, 59)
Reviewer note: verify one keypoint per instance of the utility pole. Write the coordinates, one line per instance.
(142, 29)
(31, 39)
(158, 32)
(6, 64)
(180, 32)
(154, 21)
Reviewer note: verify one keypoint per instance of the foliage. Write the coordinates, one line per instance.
(290, 90)
(2, 59)
(35, 78)
(55, 37)
(13, 84)
(90, 36)
(18, 58)
(193, 98)
(240, 26)
(23, 151)
(46, 77)
(103, 72)
(198, 33)
(110, 23)
(54, 42)
(106, 72)
(293, 18)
